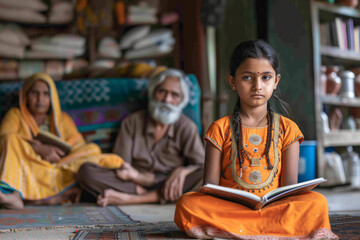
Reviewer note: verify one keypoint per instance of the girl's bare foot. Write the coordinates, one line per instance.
(11, 200)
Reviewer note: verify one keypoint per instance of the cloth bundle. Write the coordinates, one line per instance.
(141, 13)
(61, 12)
(23, 11)
(141, 42)
(109, 48)
(61, 46)
(12, 41)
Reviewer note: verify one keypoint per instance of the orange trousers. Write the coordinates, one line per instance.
(303, 216)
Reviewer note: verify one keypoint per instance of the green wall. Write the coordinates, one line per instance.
(239, 25)
(290, 34)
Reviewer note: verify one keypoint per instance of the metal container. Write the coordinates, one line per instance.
(347, 84)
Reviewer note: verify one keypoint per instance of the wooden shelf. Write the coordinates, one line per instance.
(337, 9)
(334, 54)
(341, 101)
(325, 13)
(341, 138)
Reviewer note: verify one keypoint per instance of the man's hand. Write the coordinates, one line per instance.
(127, 172)
(174, 184)
(47, 152)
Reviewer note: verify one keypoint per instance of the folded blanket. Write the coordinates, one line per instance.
(152, 51)
(11, 51)
(133, 35)
(36, 5)
(12, 34)
(69, 40)
(154, 37)
(21, 15)
(44, 44)
(108, 47)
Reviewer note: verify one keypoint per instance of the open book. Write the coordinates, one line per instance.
(255, 202)
(52, 139)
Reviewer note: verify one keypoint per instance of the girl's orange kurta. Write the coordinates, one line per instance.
(302, 216)
(23, 169)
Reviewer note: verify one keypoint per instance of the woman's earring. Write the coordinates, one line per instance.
(234, 88)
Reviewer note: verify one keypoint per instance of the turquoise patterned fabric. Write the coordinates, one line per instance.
(99, 105)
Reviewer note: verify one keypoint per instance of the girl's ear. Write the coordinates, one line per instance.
(277, 80)
(231, 81)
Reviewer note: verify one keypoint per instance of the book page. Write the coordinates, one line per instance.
(280, 190)
(248, 199)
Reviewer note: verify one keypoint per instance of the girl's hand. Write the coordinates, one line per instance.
(127, 172)
(47, 152)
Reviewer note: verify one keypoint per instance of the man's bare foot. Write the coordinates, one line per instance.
(112, 197)
(11, 200)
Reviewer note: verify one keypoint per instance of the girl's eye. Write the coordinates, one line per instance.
(267, 77)
(246, 78)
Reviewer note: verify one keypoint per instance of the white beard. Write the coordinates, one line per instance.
(165, 113)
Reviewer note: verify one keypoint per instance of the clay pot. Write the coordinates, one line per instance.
(348, 3)
(333, 82)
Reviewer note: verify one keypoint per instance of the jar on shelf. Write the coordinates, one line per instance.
(347, 84)
(356, 71)
(333, 82)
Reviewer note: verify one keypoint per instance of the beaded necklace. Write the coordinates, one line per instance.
(241, 151)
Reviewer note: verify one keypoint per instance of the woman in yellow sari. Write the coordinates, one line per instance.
(37, 172)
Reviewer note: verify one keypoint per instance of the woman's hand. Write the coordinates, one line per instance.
(47, 152)
(127, 172)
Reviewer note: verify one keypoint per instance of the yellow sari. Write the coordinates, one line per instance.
(23, 169)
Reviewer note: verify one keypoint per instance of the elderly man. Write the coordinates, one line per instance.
(162, 149)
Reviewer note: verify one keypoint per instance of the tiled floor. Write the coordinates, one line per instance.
(341, 199)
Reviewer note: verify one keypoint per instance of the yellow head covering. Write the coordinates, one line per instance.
(54, 104)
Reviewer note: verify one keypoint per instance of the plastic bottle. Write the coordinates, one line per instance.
(355, 168)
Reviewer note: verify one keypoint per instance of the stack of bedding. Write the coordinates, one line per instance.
(13, 41)
(141, 13)
(143, 42)
(23, 11)
(58, 46)
(61, 12)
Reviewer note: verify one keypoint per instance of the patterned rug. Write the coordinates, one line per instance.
(37, 217)
(346, 226)
(161, 230)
